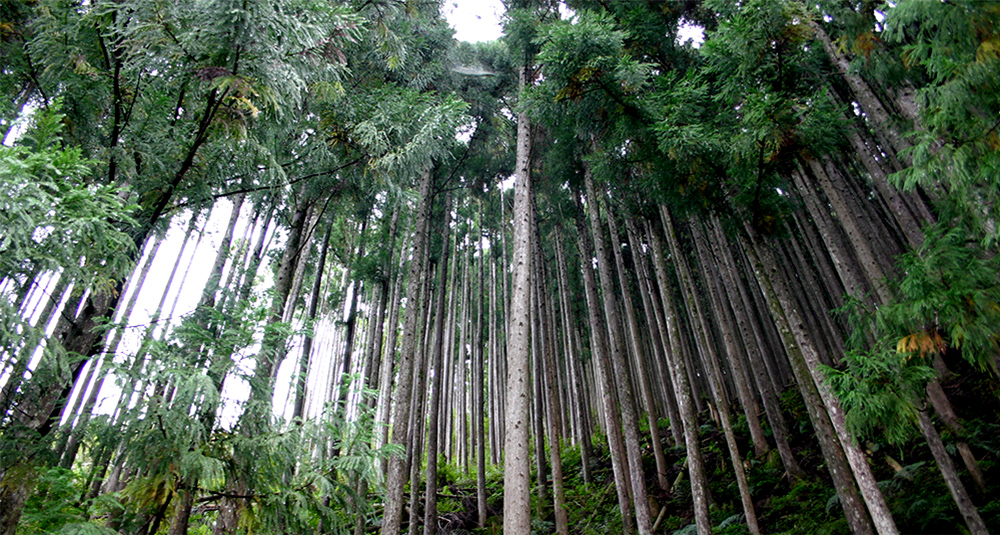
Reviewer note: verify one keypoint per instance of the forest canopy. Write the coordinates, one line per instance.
(318, 267)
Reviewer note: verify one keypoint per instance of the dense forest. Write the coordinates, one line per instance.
(314, 266)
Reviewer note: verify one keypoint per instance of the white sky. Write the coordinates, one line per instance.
(475, 20)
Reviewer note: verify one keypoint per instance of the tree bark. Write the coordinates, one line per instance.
(966, 508)
(606, 389)
(716, 386)
(435, 368)
(639, 357)
(517, 508)
(396, 476)
(805, 362)
(696, 465)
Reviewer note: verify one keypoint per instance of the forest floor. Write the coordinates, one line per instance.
(908, 476)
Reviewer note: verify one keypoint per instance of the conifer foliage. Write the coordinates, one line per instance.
(699, 266)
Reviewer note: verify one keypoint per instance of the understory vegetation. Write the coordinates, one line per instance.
(683, 267)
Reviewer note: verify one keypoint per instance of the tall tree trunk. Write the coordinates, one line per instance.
(696, 465)
(639, 357)
(299, 379)
(547, 363)
(435, 368)
(943, 409)
(396, 476)
(655, 322)
(805, 362)
(388, 358)
(603, 376)
(478, 371)
(754, 343)
(576, 376)
(623, 381)
(517, 508)
(342, 382)
(966, 508)
(538, 405)
(716, 386)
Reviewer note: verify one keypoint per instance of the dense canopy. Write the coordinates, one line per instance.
(317, 267)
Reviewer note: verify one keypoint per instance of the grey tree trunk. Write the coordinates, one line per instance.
(299, 380)
(607, 396)
(716, 386)
(754, 343)
(581, 409)
(623, 382)
(396, 476)
(435, 368)
(696, 465)
(966, 508)
(638, 353)
(478, 401)
(805, 362)
(517, 508)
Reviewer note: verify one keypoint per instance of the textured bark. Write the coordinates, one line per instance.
(748, 401)
(299, 379)
(546, 366)
(855, 227)
(418, 401)
(844, 261)
(696, 465)
(517, 508)
(805, 362)
(576, 376)
(623, 381)
(182, 513)
(388, 357)
(638, 353)
(655, 322)
(943, 409)
(716, 385)
(538, 401)
(478, 401)
(753, 342)
(885, 127)
(951, 477)
(606, 389)
(16, 484)
(435, 368)
(910, 211)
(396, 476)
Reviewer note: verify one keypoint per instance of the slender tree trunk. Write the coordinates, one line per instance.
(806, 364)
(943, 409)
(299, 380)
(517, 508)
(396, 476)
(630, 422)
(478, 401)
(753, 343)
(342, 381)
(747, 401)
(741, 381)
(582, 410)
(435, 368)
(639, 357)
(696, 465)
(966, 508)
(388, 354)
(603, 376)
(547, 363)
